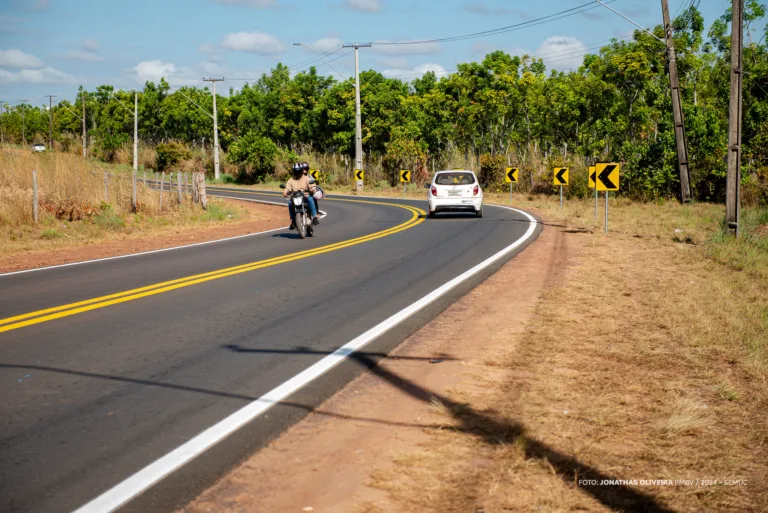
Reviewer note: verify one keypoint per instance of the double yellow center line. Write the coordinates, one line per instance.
(49, 314)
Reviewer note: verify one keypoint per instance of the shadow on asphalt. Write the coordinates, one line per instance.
(488, 426)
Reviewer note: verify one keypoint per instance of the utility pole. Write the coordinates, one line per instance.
(216, 173)
(358, 119)
(2, 125)
(732, 193)
(50, 121)
(677, 109)
(135, 131)
(85, 147)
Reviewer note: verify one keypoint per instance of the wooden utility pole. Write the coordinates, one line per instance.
(216, 172)
(50, 121)
(677, 109)
(85, 144)
(732, 201)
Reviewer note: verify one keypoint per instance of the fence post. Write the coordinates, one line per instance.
(162, 186)
(106, 186)
(145, 179)
(133, 193)
(201, 190)
(178, 185)
(34, 195)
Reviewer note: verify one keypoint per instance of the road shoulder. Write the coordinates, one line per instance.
(255, 218)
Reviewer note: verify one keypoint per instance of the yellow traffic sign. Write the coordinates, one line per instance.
(511, 175)
(359, 174)
(561, 176)
(314, 173)
(405, 176)
(592, 177)
(607, 177)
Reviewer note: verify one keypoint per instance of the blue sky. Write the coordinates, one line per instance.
(53, 46)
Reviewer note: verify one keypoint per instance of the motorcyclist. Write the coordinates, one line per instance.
(318, 193)
(300, 182)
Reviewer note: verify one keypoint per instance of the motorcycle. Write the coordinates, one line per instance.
(303, 216)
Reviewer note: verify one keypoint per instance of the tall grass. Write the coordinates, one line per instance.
(65, 181)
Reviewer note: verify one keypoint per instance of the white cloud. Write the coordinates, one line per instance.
(562, 52)
(254, 42)
(258, 4)
(326, 44)
(483, 9)
(153, 71)
(409, 48)
(91, 45)
(362, 5)
(46, 75)
(17, 59)
(417, 72)
(77, 55)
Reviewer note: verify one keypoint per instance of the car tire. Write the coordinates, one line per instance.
(479, 213)
(432, 214)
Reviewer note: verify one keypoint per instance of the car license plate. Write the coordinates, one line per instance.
(466, 201)
(454, 193)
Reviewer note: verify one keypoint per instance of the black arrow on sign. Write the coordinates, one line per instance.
(592, 176)
(560, 177)
(511, 174)
(358, 175)
(404, 176)
(605, 177)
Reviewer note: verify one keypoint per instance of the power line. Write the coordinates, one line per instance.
(530, 23)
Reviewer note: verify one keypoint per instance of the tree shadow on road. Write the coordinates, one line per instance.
(496, 430)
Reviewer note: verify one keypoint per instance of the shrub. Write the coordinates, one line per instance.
(256, 155)
(170, 154)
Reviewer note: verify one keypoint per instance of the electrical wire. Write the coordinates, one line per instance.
(510, 28)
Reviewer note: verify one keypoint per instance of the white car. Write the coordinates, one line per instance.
(38, 148)
(455, 191)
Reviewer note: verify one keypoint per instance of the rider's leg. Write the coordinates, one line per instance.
(292, 213)
(312, 206)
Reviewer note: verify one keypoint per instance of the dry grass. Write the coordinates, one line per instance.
(649, 362)
(64, 181)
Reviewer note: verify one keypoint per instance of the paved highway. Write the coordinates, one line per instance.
(135, 382)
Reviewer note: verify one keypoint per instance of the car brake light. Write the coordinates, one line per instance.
(476, 190)
(434, 191)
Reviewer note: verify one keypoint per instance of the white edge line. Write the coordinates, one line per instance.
(117, 257)
(133, 486)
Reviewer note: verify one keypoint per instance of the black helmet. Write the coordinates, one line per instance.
(297, 170)
(304, 167)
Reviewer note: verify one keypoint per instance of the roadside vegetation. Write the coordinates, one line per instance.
(506, 109)
(74, 209)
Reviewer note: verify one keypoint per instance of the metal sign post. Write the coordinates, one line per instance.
(607, 180)
(510, 176)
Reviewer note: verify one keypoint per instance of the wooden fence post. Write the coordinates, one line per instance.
(34, 195)
(162, 186)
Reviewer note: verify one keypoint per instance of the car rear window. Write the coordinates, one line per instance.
(457, 178)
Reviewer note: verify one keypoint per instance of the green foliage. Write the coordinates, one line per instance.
(219, 212)
(615, 107)
(257, 155)
(170, 154)
(107, 219)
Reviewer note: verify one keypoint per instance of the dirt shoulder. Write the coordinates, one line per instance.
(32, 252)
(584, 370)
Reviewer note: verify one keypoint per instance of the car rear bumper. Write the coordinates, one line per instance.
(455, 204)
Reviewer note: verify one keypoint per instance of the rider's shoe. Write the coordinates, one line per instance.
(292, 227)
(315, 221)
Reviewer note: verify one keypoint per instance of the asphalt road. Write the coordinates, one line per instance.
(103, 371)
